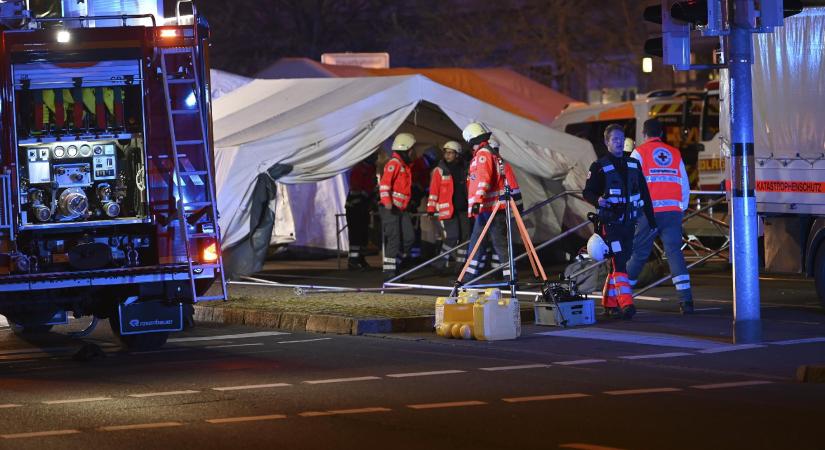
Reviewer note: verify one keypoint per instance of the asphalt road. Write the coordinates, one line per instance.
(660, 382)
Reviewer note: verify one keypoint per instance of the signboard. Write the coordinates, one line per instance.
(365, 60)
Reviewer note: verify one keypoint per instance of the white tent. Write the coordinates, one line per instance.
(322, 127)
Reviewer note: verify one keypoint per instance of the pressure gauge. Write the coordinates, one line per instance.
(59, 151)
(71, 151)
(98, 149)
(85, 150)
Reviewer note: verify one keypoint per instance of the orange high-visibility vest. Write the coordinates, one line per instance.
(396, 183)
(660, 165)
(441, 193)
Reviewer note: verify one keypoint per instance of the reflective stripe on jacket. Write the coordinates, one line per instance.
(396, 183)
(623, 196)
(661, 166)
(486, 184)
(441, 193)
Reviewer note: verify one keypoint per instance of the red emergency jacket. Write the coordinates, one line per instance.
(661, 167)
(441, 193)
(485, 184)
(396, 183)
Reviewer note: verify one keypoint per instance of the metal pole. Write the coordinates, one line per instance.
(746, 316)
(538, 247)
(690, 266)
(533, 208)
(432, 287)
(509, 220)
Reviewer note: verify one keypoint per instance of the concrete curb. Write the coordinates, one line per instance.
(315, 323)
(812, 373)
(320, 323)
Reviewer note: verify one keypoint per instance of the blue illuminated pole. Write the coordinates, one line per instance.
(746, 316)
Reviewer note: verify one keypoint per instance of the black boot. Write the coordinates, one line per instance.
(628, 312)
(686, 307)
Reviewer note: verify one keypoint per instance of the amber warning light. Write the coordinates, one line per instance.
(210, 253)
(169, 33)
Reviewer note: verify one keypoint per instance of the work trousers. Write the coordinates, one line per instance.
(669, 224)
(456, 231)
(398, 237)
(617, 292)
(497, 234)
(358, 224)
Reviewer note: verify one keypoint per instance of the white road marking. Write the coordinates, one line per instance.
(522, 367)
(731, 348)
(303, 340)
(234, 345)
(10, 405)
(799, 341)
(446, 404)
(341, 380)
(424, 374)
(165, 350)
(38, 434)
(251, 386)
(657, 339)
(359, 410)
(641, 391)
(578, 362)
(140, 426)
(730, 385)
(707, 309)
(76, 400)
(228, 336)
(314, 414)
(657, 355)
(580, 446)
(538, 398)
(161, 394)
(246, 419)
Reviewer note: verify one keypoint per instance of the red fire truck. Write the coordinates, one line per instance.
(107, 195)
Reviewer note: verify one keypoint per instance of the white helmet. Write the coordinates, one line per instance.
(476, 132)
(403, 142)
(597, 248)
(452, 145)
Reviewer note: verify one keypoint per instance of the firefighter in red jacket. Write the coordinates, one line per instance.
(448, 202)
(485, 186)
(361, 197)
(394, 193)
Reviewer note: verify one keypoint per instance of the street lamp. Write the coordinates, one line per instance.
(647, 65)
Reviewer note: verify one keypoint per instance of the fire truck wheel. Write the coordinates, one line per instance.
(819, 274)
(29, 329)
(138, 342)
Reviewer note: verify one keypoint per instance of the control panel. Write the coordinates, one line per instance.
(70, 181)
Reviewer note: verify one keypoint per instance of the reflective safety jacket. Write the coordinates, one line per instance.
(485, 184)
(624, 201)
(396, 183)
(440, 200)
(664, 171)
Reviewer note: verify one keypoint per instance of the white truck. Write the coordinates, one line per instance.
(789, 143)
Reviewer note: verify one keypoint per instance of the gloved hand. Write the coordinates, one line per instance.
(431, 213)
(475, 208)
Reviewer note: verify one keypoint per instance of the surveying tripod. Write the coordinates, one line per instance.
(510, 211)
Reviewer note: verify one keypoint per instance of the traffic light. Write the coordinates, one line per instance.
(674, 45)
(678, 18)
